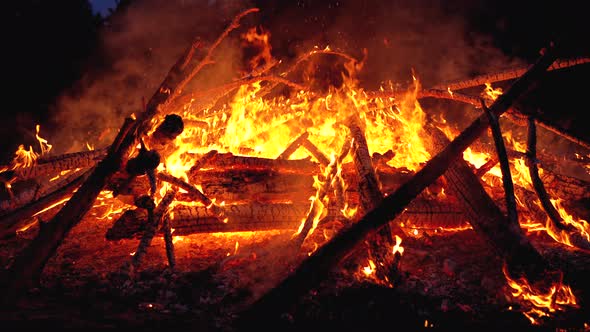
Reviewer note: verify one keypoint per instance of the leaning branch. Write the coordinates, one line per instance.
(508, 74)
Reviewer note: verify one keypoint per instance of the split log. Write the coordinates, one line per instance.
(186, 220)
(507, 182)
(54, 165)
(201, 162)
(194, 193)
(27, 267)
(554, 218)
(318, 265)
(230, 161)
(536, 179)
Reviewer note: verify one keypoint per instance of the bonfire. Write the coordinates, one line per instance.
(298, 179)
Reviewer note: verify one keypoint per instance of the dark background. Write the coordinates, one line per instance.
(54, 45)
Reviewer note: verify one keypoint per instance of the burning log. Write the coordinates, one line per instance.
(263, 185)
(37, 191)
(198, 219)
(230, 161)
(255, 216)
(11, 222)
(317, 266)
(371, 196)
(55, 165)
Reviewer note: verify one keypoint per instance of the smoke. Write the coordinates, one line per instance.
(139, 46)
(142, 42)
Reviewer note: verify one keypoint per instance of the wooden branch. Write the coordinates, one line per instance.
(318, 266)
(451, 95)
(208, 59)
(293, 146)
(169, 242)
(508, 74)
(552, 213)
(504, 164)
(474, 101)
(315, 152)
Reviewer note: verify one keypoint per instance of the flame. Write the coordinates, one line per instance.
(580, 226)
(28, 158)
(537, 303)
(491, 93)
(397, 247)
(369, 270)
(45, 147)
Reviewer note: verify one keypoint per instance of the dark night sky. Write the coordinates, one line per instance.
(102, 6)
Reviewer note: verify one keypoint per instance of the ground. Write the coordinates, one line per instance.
(450, 281)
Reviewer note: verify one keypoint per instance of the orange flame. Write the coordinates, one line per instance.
(538, 304)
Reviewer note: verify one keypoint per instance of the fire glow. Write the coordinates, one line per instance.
(251, 124)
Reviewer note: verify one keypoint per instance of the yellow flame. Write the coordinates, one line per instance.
(370, 268)
(491, 93)
(537, 303)
(397, 247)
